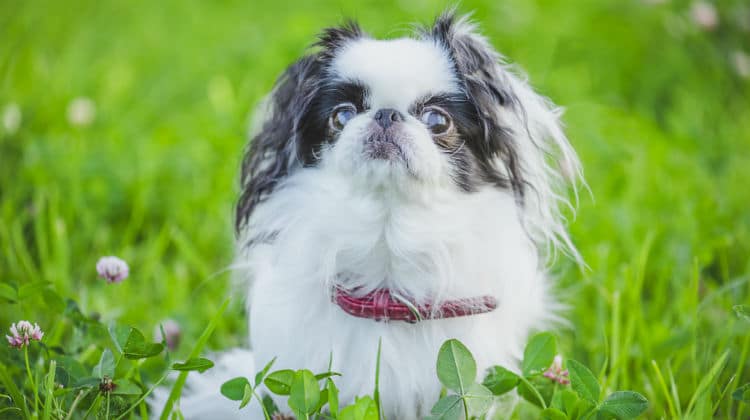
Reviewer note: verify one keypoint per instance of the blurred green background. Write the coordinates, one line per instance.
(123, 125)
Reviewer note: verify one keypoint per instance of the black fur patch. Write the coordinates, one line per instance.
(314, 130)
(288, 138)
(297, 127)
(331, 39)
(476, 66)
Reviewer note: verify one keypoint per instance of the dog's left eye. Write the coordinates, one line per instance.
(341, 115)
(436, 120)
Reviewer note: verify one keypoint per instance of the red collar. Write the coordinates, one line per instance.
(381, 305)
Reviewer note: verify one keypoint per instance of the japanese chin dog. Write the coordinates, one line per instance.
(402, 191)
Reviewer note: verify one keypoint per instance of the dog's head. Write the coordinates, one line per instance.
(439, 111)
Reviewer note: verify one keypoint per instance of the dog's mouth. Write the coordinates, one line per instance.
(385, 145)
(382, 305)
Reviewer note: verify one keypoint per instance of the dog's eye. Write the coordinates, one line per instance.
(341, 115)
(436, 120)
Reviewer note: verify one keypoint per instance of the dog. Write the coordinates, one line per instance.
(401, 192)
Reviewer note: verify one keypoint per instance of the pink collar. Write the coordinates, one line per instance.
(381, 305)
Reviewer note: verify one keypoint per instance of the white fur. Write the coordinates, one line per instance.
(397, 70)
(439, 243)
(357, 222)
(548, 161)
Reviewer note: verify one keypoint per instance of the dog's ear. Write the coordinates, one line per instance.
(278, 148)
(522, 130)
(272, 154)
(475, 60)
(476, 64)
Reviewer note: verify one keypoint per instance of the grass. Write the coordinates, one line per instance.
(655, 108)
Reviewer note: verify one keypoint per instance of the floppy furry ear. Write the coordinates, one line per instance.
(278, 149)
(476, 65)
(272, 154)
(521, 127)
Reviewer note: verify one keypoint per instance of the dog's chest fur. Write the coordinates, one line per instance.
(326, 231)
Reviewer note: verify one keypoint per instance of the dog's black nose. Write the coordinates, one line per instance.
(387, 116)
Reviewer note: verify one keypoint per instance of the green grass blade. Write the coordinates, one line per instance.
(13, 391)
(143, 397)
(675, 391)
(180, 382)
(376, 393)
(664, 390)
(710, 379)
(49, 387)
(721, 396)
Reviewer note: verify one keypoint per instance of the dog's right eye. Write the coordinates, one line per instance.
(341, 115)
(436, 120)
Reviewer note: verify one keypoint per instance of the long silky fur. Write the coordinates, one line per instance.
(304, 228)
(540, 161)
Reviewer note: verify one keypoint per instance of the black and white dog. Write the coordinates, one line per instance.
(402, 190)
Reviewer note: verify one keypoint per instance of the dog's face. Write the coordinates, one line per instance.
(389, 111)
(435, 112)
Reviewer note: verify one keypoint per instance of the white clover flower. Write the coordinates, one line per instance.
(12, 118)
(556, 372)
(704, 15)
(22, 333)
(112, 269)
(81, 111)
(172, 331)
